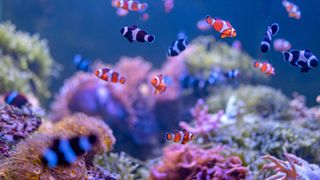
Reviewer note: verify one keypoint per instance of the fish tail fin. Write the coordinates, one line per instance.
(275, 28)
(256, 64)
(150, 38)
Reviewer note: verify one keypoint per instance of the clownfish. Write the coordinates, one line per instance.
(281, 45)
(81, 64)
(182, 137)
(16, 99)
(160, 83)
(266, 42)
(303, 59)
(223, 27)
(178, 46)
(110, 75)
(264, 67)
(130, 5)
(133, 33)
(66, 151)
(168, 5)
(292, 9)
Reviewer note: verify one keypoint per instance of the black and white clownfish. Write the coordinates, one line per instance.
(66, 151)
(303, 59)
(181, 137)
(266, 42)
(14, 98)
(178, 46)
(133, 33)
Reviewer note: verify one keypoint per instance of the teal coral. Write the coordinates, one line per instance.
(26, 63)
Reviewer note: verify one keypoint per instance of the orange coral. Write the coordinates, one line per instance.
(193, 162)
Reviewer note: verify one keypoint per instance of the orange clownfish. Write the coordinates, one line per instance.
(179, 136)
(160, 83)
(264, 67)
(130, 5)
(223, 27)
(110, 75)
(292, 9)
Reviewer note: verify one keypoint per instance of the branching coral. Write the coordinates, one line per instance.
(193, 162)
(205, 123)
(26, 63)
(293, 168)
(15, 125)
(25, 161)
(121, 166)
(259, 100)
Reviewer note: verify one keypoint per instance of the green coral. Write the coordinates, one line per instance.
(25, 61)
(208, 53)
(259, 100)
(253, 139)
(122, 166)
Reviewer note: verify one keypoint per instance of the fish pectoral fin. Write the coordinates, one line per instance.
(156, 92)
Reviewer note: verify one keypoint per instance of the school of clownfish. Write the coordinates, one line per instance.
(66, 151)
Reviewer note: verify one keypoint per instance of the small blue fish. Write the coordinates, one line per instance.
(234, 73)
(67, 151)
(16, 99)
(81, 64)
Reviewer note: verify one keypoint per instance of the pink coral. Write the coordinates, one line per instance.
(293, 168)
(204, 121)
(299, 108)
(193, 162)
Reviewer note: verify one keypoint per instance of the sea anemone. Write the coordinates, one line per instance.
(193, 162)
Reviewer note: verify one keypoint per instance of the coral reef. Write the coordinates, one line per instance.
(26, 63)
(25, 160)
(15, 125)
(193, 162)
(298, 108)
(264, 101)
(121, 166)
(206, 53)
(205, 123)
(293, 168)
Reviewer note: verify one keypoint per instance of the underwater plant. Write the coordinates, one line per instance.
(15, 125)
(264, 101)
(293, 168)
(194, 162)
(26, 64)
(121, 166)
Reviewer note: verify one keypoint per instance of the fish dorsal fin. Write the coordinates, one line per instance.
(307, 50)
(133, 27)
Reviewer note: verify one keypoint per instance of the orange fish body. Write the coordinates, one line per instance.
(130, 5)
(107, 74)
(264, 67)
(223, 27)
(179, 136)
(158, 82)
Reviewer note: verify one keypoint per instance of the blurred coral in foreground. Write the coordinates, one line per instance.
(193, 162)
(293, 168)
(25, 160)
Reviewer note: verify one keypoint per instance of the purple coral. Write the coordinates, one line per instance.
(15, 125)
(204, 121)
(299, 108)
(193, 162)
(293, 168)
